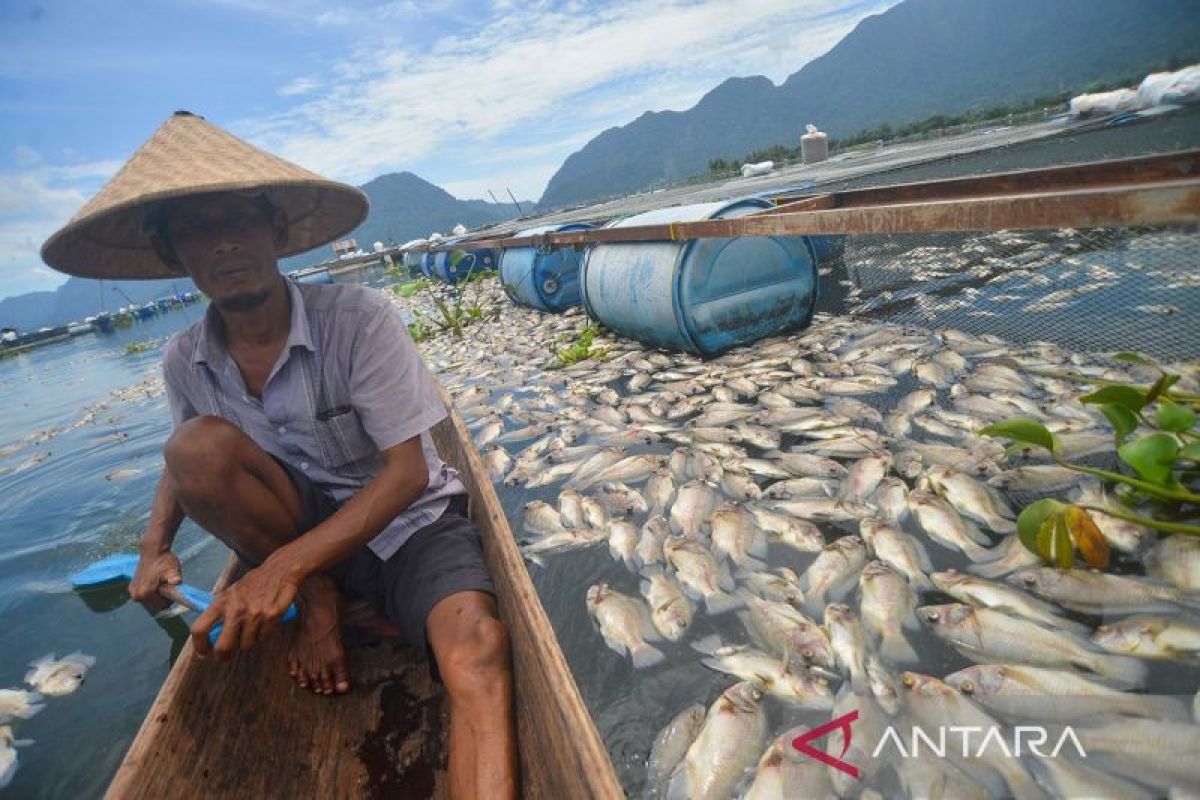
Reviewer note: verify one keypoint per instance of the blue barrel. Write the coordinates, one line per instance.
(473, 260)
(543, 279)
(412, 262)
(702, 296)
(427, 263)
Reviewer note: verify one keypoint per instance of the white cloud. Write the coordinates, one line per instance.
(35, 202)
(297, 86)
(535, 75)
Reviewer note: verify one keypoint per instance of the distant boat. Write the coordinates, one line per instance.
(80, 328)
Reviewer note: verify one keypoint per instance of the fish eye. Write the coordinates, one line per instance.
(967, 687)
(931, 615)
(1029, 580)
(807, 653)
(908, 680)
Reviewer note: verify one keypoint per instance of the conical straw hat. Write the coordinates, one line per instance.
(188, 156)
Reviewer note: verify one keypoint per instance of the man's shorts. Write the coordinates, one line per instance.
(440, 559)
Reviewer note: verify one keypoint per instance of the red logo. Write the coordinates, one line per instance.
(801, 743)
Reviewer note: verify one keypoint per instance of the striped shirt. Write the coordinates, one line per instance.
(348, 384)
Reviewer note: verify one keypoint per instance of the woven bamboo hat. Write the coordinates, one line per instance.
(107, 238)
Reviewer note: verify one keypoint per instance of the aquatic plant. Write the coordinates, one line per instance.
(133, 348)
(1156, 442)
(420, 330)
(410, 288)
(582, 348)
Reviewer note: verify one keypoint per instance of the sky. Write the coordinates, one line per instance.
(469, 94)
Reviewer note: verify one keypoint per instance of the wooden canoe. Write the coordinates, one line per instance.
(241, 729)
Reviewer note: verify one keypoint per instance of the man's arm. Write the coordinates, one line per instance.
(156, 563)
(252, 605)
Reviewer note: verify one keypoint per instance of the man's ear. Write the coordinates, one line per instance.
(279, 228)
(166, 253)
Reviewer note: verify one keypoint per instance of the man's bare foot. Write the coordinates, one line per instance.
(317, 660)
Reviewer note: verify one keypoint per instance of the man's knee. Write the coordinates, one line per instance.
(202, 452)
(477, 661)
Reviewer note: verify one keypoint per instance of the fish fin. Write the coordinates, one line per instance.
(649, 632)
(721, 603)
(976, 535)
(536, 559)
(714, 664)
(46, 659)
(758, 545)
(613, 644)
(708, 644)
(1002, 525)
(976, 552)
(992, 568)
(897, 649)
(678, 785)
(1126, 669)
(645, 655)
(22, 742)
(751, 563)
(725, 579)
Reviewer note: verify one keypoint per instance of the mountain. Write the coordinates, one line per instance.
(917, 59)
(403, 207)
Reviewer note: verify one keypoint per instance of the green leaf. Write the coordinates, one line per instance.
(1030, 522)
(1173, 417)
(1023, 429)
(1161, 385)
(1152, 456)
(1126, 396)
(1057, 531)
(1191, 452)
(1123, 420)
(1134, 358)
(457, 256)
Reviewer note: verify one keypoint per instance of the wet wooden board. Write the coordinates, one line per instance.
(241, 729)
(562, 755)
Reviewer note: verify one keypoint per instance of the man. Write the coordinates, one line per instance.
(301, 417)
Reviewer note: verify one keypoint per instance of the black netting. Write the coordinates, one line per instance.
(1098, 290)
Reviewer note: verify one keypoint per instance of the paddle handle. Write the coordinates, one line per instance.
(199, 600)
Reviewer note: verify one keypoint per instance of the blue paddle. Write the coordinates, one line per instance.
(120, 567)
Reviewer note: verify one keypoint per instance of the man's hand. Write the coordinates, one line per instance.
(249, 610)
(153, 571)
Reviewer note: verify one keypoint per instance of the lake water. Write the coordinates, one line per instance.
(63, 513)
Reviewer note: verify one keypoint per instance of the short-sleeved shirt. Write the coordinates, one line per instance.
(348, 384)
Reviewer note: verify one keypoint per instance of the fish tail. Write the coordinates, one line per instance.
(991, 568)
(1122, 668)
(721, 603)
(646, 655)
(896, 648)
(708, 644)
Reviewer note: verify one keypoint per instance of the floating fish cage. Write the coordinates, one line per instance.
(540, 277)
(702, 296)
(451, 266)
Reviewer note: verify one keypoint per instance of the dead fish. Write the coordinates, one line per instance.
(977, 591)
(625, 625)
(1176, 560)
(892, 545)
(694, 502)
(617, 498)
(947, 528)
(670, 609)
(735, 536)
(781, 584)
(887, 606)
(739, 486)
(728, 744)
(983, 634)
(833, 572)
(633, 468)
(539, 518)
(622, 541)
(1036, 478)
(803, 465)
(1098, 592)
(796, 533)
(649, 548)
(973, 499)
(1151, 637)
(660, 490)
(53, 677)
(19, 704)
(1028, 692)
(701, 574)
(794, 684)
(496, 461)
(671, 745)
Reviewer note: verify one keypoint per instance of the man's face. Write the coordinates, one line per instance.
(227, 245)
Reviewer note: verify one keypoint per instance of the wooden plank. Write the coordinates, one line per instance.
(242, 729)
(562, 755)
(1114, 173)
(1139, 191)
(1154, 204)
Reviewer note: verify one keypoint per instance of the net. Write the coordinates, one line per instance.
(1093, 290)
